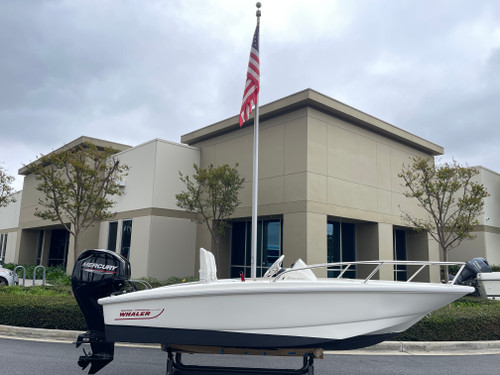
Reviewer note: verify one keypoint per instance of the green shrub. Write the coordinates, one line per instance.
(60, 290)
(40, 308)
(155, 283)
(468, 319)
(57, 276)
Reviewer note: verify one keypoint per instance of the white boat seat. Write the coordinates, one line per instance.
(208, 267)
(301, 274)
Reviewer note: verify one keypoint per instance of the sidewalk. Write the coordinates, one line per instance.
(384, 348)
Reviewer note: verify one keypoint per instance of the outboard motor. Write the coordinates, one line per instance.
(97, 274)
(472, 268)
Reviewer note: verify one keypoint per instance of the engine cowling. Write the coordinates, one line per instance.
(472, 268)
(97, 274)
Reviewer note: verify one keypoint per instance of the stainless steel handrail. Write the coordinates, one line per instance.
(378, 264)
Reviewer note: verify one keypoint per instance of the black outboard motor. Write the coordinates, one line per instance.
(97, 274)
(472, 268)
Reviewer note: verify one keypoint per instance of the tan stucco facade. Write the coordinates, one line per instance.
(318, 160)
(34, 235)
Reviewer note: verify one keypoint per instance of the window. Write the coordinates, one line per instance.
(269, 246)
(112, 235)
(399, 238)
(58, 247)
(341, 247)
(126, 238)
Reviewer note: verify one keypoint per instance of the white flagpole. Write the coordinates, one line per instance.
(255, 185)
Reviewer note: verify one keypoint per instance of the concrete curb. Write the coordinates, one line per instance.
(432, 348)
(39, 333)
(387, 347)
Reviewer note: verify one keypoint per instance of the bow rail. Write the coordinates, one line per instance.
(343, 267)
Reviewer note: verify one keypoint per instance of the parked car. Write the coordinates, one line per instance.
(7, 277)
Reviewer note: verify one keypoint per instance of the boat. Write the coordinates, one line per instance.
(489, 285)
(286, 308)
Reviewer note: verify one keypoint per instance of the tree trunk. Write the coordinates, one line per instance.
(75, 247)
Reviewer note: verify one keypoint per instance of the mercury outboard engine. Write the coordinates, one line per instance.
(472, 268)
(97, 274)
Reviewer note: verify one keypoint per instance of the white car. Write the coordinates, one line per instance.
(7, 277)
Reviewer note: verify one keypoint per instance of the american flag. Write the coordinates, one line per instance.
(253, 80)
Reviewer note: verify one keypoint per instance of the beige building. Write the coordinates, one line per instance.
(328, 191)
(44, 242)
(148, 228)
(9, 222)
(328, 184)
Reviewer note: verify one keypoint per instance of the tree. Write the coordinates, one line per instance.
(212, 194)
(450, 197)
(6, 190)
(78, 185)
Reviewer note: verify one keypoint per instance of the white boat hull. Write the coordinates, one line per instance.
(286, 309)
(331, 314)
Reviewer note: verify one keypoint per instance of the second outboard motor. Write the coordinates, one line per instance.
(97, 274)
(472, 268)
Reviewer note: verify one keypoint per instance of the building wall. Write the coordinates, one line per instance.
(29, 203)
(490, 220)
(9, 219)
(163, 242)
(172, 247)
(153, 177)
(28, 241)
(313, 166)
(29, 227)
(138, 184)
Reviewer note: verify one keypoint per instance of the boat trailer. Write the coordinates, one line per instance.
(176, 366)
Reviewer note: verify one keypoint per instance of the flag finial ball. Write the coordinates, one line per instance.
(258, 5)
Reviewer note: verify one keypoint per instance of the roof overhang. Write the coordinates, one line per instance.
(316, 100)
(77, 142)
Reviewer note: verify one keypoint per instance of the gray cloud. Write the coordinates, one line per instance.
(130, 71)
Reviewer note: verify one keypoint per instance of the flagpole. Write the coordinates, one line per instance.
(255, 178)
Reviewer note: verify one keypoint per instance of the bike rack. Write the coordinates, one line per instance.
(145, 284)
(24, 273)
(43, 274)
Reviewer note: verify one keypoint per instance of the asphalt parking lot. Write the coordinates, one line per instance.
(26, 350)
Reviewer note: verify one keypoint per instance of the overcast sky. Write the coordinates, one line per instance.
(134, 70)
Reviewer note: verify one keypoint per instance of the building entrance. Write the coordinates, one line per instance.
(58, 253)
(269, 246)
